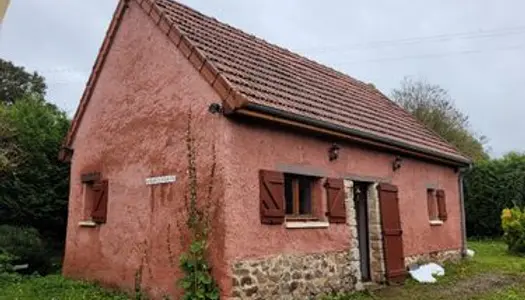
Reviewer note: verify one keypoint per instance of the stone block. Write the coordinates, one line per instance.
(295, 276)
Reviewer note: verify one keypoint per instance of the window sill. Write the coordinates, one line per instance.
(302, 224)
(301, 218)
(436, 222)
(87, 224)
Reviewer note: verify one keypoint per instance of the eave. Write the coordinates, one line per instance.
(276, 116)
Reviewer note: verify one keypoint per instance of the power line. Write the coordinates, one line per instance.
(440, 37)
(502, 32)
(383, 59)
(434, 55)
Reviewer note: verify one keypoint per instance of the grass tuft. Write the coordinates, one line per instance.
(52, 287)
(493, 274)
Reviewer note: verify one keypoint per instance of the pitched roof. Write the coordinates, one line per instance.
(249, 72)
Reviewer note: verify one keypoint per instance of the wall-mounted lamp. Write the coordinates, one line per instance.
(215, 108)
(333, 152)
(397, 163)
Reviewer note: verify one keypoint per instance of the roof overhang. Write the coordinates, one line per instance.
(281, 117)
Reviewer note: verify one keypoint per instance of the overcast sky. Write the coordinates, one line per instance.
(473, 48)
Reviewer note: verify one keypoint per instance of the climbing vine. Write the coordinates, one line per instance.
(197, 282)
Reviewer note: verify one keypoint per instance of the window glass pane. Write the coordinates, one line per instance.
(288, 194)
(305, 196)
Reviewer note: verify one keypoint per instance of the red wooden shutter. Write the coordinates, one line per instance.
(392, 233)
(100, 204)
(432, 206)
(271, 186)
(442, 205)
(335, 196)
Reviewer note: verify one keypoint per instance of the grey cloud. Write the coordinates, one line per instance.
(487, 85)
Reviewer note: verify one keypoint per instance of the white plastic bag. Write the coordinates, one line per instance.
(425, 273)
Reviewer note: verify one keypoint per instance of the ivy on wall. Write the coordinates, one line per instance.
(198, 282)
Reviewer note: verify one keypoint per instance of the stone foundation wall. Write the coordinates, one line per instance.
(311, 276)
(436, 257)
(283, 277)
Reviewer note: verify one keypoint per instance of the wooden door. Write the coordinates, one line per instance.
(392, 233)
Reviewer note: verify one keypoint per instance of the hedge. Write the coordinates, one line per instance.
(490, 187)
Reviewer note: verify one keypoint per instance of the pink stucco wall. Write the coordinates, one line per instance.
(268, 147)
(134, 127)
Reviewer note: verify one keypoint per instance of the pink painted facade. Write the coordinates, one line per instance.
(253, 148)
(135, 127)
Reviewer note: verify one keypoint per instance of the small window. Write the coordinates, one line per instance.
(432, 205)
(298, 195)
(95, 197)
(436, 202)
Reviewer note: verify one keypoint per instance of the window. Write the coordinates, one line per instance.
(300, 199)
(298, 195)
(437, 208)
(432, 205)
(95, 197)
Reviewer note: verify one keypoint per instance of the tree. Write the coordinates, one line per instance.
(35, 193)
(9, 154)
(434, 107)
(16, 83)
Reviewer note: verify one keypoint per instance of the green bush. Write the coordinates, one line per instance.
(490, 187)
(20, 245)
(513, 225)
(6, 261)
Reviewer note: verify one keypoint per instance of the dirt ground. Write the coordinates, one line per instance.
(462, 289)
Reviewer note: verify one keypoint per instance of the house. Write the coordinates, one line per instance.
(324, 184)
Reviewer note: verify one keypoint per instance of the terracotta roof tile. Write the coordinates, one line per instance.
(275, 77)
(246, 69)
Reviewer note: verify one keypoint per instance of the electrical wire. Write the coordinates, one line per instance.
(493, 33)
(432, 55)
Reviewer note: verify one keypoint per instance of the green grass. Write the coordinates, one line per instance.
(491, 274)
(52, 287)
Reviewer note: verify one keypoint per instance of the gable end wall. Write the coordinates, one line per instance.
(134, 127)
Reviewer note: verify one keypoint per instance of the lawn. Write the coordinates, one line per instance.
(492, 274)
(52, 287)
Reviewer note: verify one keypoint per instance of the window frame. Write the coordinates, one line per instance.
(94, 190)
(434, 215)
(432, 208)
(296, 214)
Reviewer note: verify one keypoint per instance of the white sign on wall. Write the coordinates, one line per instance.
(160, 179)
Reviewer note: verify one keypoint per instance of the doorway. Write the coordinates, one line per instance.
(361, 209)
